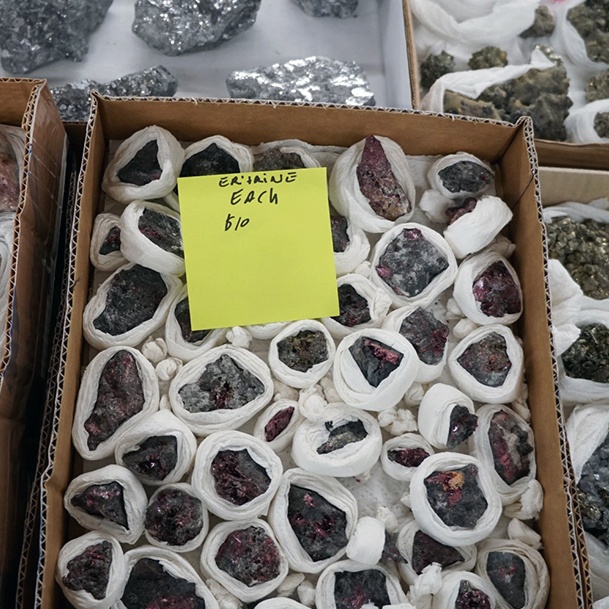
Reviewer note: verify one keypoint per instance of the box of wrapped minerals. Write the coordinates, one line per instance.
(408, 450)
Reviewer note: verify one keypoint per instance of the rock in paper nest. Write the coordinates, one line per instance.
(37, 32)
(313, 79)
(328, 8)
(175, 27)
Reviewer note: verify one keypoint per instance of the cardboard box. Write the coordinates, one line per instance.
(509, 147)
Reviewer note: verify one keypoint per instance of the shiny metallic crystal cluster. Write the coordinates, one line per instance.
(328, 8)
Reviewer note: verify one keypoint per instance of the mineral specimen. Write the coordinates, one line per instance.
(340, 238)
(342, 435)
(90, 570)
(175, 27)
(182, 315)
(408, 457)
(9, 176)
(543, 25)
(162, 230)
(354, 307)
(353, 589)
(455, 103)
(462, 425)
(328, 8)
(375, 359)
(601, 124)
(312, 79)
(112, 242)
(303, 350)
(144, 167)
(590, 19)
(278, 423)
(598, 87)
(496, 291)
(211, 161)
(319, 526)
(274, 159)
(470, 597)
(510, 446)
(588, 357)
(487, 360)
(436, 66)
(465, 176)
(427, 335)
(426, 550)
(467, 206)
(237, 477)
(488, 57)
(104, 500)
(37, 32)
(154, 458)
(507, 572)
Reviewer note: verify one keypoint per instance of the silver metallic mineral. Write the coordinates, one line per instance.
(328, 8)
(313, 79)
(37, 32)
(175, 27)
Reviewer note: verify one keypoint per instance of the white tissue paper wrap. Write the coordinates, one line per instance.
(87, 398)
(117, 576)
(436, 286)
(435, 410)
(449, 591)
(352, 385)
(7, 223)
(204, 483)
(283, 439)
(452, 159)
(16, 140)
(395, 470)
(134, 497)
(427, 518)
(345, 193)
(536, 579)
(367, 542)
(296, 378)
(134, 336)
(351, 460)
(204, 423)
(170, 156)
(280, 603)
(332, 491)
(174, 564)
(243, 592)
(580, 123)
(137, 247)
(302, 149)
(324, 155)
(161, 423)
(104, 223)
(355, 253)
(266, 331)
(510, 389)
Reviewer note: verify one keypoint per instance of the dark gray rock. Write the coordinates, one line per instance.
(601, 124)
(543, 25)
(507, 571)
(588, 357)
(488, 57)
(487, 360)
(436, 66)
(590, 20)
(342, 435)
(328, 8)
(598, 87)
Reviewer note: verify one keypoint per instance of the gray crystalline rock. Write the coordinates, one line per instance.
(313, 79)
(328, 8)
(38, 32)
(174, 27)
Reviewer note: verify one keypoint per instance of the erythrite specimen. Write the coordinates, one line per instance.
(303, 350)
(90, 570)
(470, 597)
(462, 425)
(223, 385)
(427, 335)
(510, 446)
(120, 396)
(408, 457)
(410, 262)
(390, 550)
(588, 357)
(496, 291)
(487, 360)
(507, 572)
(273, 160)
(353, 589)
(211, 161)
(378, 183)
(133, 298)
(154, 459)
(163, 230)
(249, 555)
(456, 212)
(150, 586)
(237, 477)
(454, 495)
(341, 435)
(319, 526)
(465, 176)
(426, 550)
(182, 315)
(112, 242)
(340, 238)
(353, 306)
(105, 500)
(174, 516)
(278, 423)
(375, 359)
(144, 167)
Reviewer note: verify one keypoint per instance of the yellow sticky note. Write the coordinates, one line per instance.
(258, 248)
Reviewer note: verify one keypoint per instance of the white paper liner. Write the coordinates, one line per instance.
(203, 481)
(345, 193)
(266, 331)
(104, 223)
(448, 592)
(355, 253)
(452, 159)
(245, 593)
(332, 491)
(580, 123)
(280, 603)
(133, 337)
(134, 497)
(427, 518)
(161, 423)
(283, 439)
(87, 398)
(117, 577)
(350, 460)
(537, 578)
(170, 156)
(353, 387)
(367, 542)
(290, 376)
(7, 227)
(510, 389)
(196, 541)
(407, 440)
(436, 286)
(204, 423)
(598, 555)
(302, 149)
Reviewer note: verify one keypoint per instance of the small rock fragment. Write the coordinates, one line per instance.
(543, 25)
(436, 66)
(601, 124)
(328, 8)
(488, 57)
(598, 87)
(590, 19)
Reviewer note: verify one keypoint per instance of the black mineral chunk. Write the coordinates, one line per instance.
(340, 238)
(133, 298)
(601, 124)
(410, 262)
(510, 445)
(465, 176)
(223, 385)
(274, 160)
(319, 526)
(162, 230)
(90, 570)
(278, 423)
(120, 396)
(408, 457)
(104, 500)
(470, 597)
(496, 291)
(342, 435)
(353, 589)
(375, 359)
(237, 477)
(390, 550)
(434, 67)
(112, 242)
(588, 357)
(487, 360)
(211, 161)
(507, 572)
(462, 425)
(303, 350)
(144, 167)
(426, 550)
(454, 495)
(426, 334)
(250, 556)
(182, 315)
(354, 307)
(154, 459)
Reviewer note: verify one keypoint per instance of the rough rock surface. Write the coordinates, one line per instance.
(487, 360)
(342, 435)
(512, 451)
(303, 350)
(507, 572)
(354, 309)
(328, 8)
(598, 87)
(90, 570)
(588, 357)
(375, 359)
(238, 478)
(434, 67)
(427, 335)
(543, 25)
(488, 57)
(154, 458)
(590, 19)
